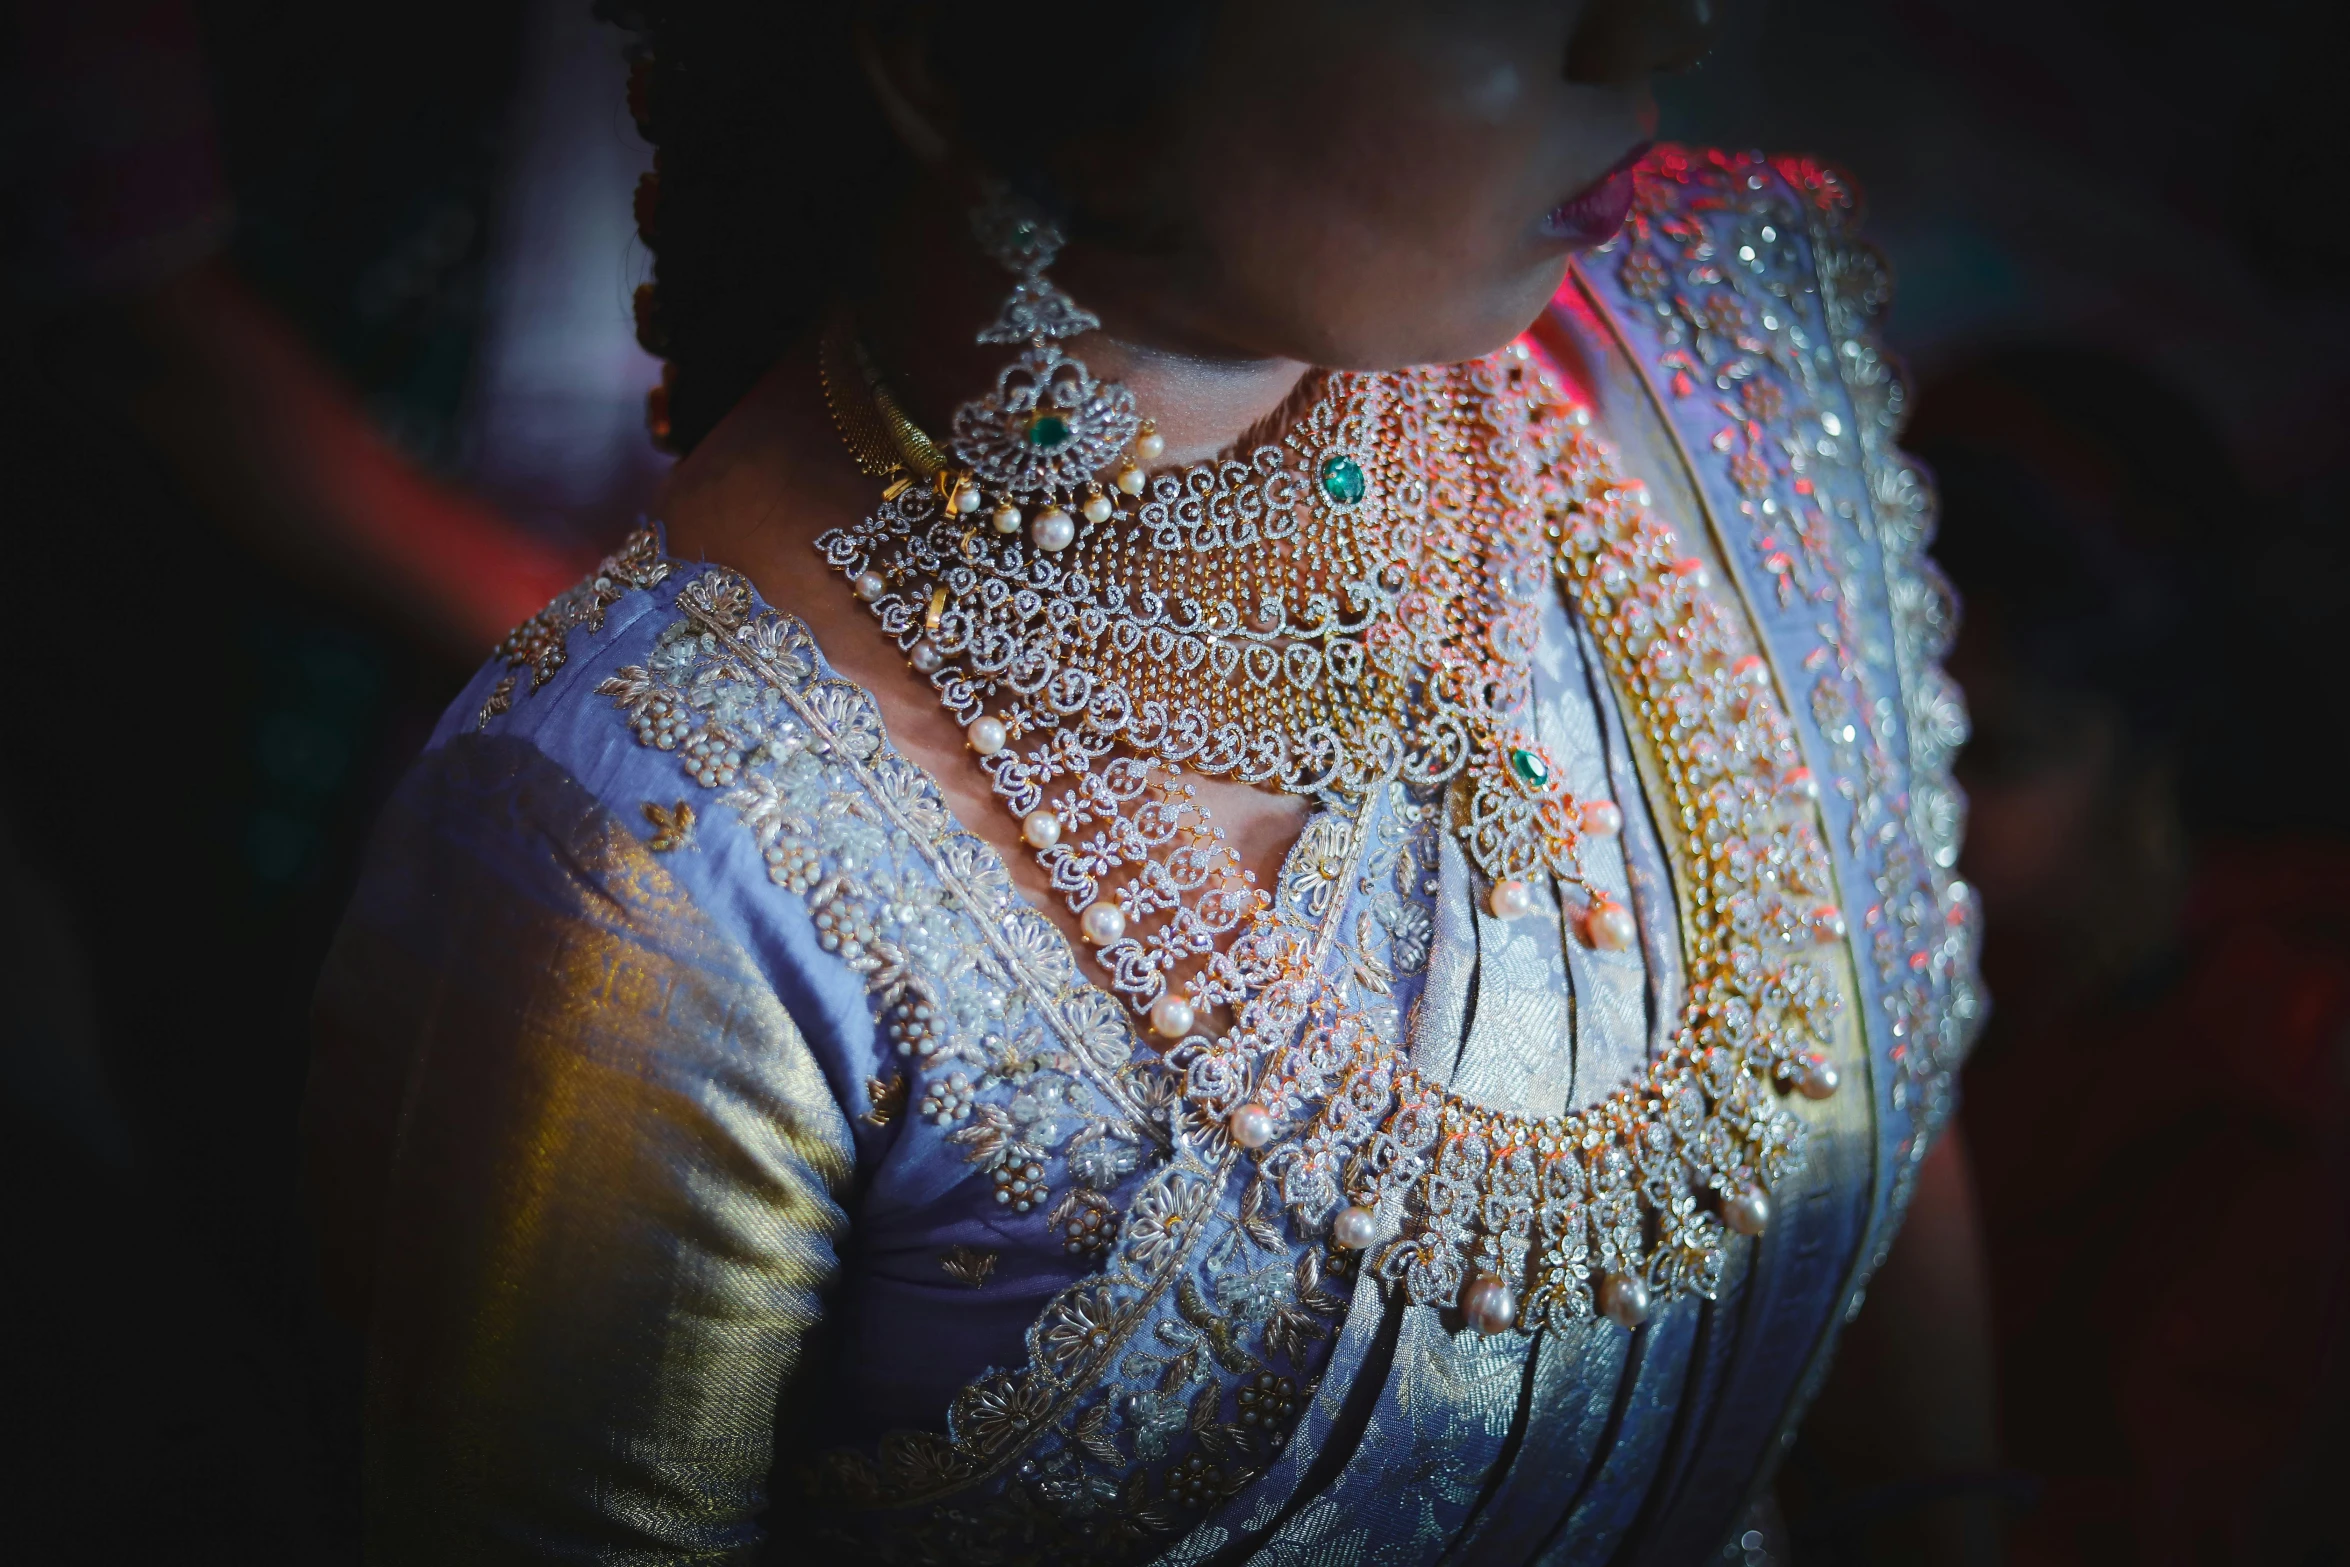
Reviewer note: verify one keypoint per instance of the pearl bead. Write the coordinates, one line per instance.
(1132, 480)
(1827, 924)
(1623, 1299)
(1252, 1126)
(1148, 445)
(869, 585)
(1490, 1305)
(1510, 899)
(1748, 1212)
(1816, 1079)
(1042, 829)
(924, 657)
(1006, 519)
(1053, 529)
(1602, 818)
(1097, 508)
(987, 735)
(1355, 1228)
(1803, 784)
(1172, 1016)
(1611, 927)
(1102, 923)
(966, 498)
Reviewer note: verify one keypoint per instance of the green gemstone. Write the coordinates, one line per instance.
(1342, 479)
(1530, 768)
(1047, 431)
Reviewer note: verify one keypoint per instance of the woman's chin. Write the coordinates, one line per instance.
(1460, 326)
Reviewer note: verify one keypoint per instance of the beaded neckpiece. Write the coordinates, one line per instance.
(1357, 604)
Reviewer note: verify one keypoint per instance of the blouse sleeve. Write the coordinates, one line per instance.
(581, 1173)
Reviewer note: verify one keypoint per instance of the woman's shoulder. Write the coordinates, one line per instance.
(686, 713)
(607, 705)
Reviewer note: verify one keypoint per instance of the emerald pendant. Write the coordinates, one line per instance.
(1531, 769)
(1342, 479)
(1047, 431)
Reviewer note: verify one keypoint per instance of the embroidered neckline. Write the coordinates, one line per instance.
(992, 1422)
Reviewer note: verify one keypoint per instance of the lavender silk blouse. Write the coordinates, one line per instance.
(670, 1253)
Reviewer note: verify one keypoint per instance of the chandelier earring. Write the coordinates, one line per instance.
(1038, 440)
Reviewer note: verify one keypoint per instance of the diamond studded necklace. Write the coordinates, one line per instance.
(1095, 639)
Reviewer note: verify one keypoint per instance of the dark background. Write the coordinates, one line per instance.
(2120, 251)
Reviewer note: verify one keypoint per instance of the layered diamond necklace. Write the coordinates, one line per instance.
(1356, 603)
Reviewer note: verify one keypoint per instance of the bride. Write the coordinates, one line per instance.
(1258, 867)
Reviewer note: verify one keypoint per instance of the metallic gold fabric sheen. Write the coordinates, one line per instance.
(610, 1188)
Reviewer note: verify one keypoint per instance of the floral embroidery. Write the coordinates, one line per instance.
(969, 1265)
(885, 1098)
(673, 826)
(539, 646)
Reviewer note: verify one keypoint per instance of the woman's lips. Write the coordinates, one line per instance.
(1593, 214)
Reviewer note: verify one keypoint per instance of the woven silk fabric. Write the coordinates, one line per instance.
(667, 1255)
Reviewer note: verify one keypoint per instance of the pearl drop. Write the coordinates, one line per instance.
(924, 657)
(1053, 529)
(1006, 518)
(1149, 445)
(1102, 923)
(1490, 1305)
(1623, 1299)
(1827, 924)
(1510, 899)
(1252, 1126)
(1042, 829)
(1748, 1212)
(1611, 927)
(1816, 1079)
(1172, 1016)
(1132, 480)
(1097, 508)
(869, 585)
(1602, 818)
(966, 498)
(1354, 1228)
(986, 735)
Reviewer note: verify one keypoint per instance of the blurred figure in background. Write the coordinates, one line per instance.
(279, 276)
(2157, 1111)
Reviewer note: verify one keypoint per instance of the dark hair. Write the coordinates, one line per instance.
(773, 166)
